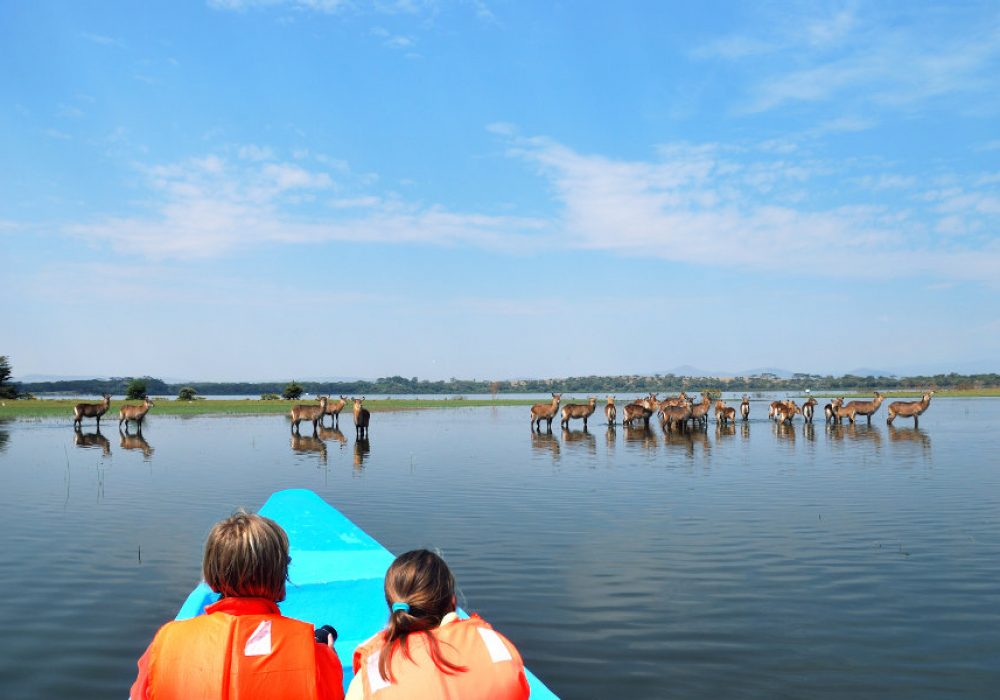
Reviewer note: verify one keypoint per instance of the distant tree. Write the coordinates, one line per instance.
(187, 393)
(269, 397)
(292, 390)
(7, 389)
(136, 389)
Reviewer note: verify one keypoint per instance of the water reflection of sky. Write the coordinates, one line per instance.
(752, 560)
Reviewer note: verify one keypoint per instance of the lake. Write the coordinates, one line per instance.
(758, 561)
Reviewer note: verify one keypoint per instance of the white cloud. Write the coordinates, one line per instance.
(206, 207)
(893, 61)
(712, 206)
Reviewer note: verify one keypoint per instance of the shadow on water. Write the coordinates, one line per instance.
(135, 441)
(362, 448)
(580, 439)
(309, 444)
(90, 441)
(4, 433)
(545, 443)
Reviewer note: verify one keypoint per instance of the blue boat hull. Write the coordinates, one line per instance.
(335, 576)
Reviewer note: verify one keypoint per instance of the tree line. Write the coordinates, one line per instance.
(397, 385)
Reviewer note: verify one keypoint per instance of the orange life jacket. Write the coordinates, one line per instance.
(219, 656)
(495, 669)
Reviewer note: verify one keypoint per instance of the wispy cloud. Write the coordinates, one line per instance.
(847, 56)
(102, 40)
(724, 208)
(206, 207)
(327, 6)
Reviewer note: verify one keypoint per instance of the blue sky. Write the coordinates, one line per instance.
(268, 189)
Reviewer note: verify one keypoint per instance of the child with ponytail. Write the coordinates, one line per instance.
(426, 651)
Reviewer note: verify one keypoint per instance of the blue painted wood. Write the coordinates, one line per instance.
(335, 576)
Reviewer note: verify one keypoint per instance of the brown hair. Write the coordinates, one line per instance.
(424, 582)
(246, 555)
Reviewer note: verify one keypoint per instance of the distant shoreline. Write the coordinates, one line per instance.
(41, 408)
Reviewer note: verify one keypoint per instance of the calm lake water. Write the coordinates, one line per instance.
(758, 562)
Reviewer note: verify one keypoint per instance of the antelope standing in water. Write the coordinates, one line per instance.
(840, 412)
(334, 409)
(640, 409)
(362, 416)
(610, 412)
(908, 409)
(784, 411)
(308, 412)
(575, 410)
(830, 410)
(91, 410)
(867, 408)
(675, 417)
(546, 412)
(699, 412)
(134, 413)
(745, 407)
(723, 413)
(808, 408)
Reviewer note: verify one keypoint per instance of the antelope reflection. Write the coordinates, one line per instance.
(91, 441)
(688, 441)
(580, 438)
(308, 444)
(784, 432)
(362, 448)
(327, 434)
(641, 436)
(914, 435)
(545, 443)
(725, 430)
(857, 432)
(130, 441)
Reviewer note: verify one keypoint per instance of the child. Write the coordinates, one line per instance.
(426, 651)
(242, 646)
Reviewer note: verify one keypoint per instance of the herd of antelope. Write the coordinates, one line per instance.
(680, 413)
(316, 413)
(127, 413)
(300, 412)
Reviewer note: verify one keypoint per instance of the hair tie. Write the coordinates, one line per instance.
(405, 607)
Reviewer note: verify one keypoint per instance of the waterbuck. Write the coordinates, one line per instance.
(91, 410)
(909, 408)
(610, 412)
(546, 412)
(134, 413)
(745, 407)
(830, 410)
(361, 418)
(334, 409)
(808, 408)
(575, 410)
(308, 412)
(867, 408)
(724, 414)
